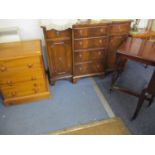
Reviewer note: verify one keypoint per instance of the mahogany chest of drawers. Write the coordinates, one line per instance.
(22, 75)
(87, 49)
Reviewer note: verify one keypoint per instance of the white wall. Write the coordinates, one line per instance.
(29, 28)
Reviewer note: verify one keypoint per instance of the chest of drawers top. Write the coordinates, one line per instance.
(21, 49)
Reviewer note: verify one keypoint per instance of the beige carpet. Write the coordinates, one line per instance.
(113, 126)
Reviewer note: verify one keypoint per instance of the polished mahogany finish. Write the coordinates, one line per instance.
(87, 49)
(59, 54)
(142, 51)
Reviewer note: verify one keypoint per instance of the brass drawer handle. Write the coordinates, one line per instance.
(80, 43)
(3, 69)
(101, 30)
(100, 41)
(30, 65)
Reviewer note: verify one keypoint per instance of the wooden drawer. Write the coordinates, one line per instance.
(89, 55)
(54, 34)
(89, 68)
(100, 42)
(120, 28)
(90, 32)
(20, 64)
(22, 76)
(23, 89)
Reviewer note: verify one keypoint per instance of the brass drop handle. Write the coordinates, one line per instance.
(30, 65)
(80, 31)
(100, 41)
(80, 43)
(9, 83)
(80, 55)
(13, 94)
(101, 30)
(98, 66)
(3, 69)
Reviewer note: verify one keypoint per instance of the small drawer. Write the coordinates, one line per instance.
(22, 76)
(97, 67)
(22, 63)
(90, 32)
(23, 89)
(82, 69)
(52, 34)
(123, 28)
(100, 42)
(89, 55)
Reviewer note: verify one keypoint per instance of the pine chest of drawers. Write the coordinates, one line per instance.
(22, 75)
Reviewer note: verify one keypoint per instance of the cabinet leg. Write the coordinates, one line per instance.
(74, 81)
(52, 83)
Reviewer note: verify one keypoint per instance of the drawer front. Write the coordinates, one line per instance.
(53, 34)
(22, 76)
(89, 55)
(101, 42)
(23, 89)
(7, 66)
(120, 28)
(89, 68)
(90, 32)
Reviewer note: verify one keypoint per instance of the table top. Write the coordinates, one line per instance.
(19, 49)
(139, 50)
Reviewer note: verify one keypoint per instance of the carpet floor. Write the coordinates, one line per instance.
(135, 77)
(70, 105)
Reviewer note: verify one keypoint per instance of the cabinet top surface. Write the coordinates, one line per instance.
(101, 22)
(138, 48)
(19, 49)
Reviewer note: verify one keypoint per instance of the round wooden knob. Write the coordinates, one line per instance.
(9, 83)
(35, 90)
(99, 53)
(35, 84)
(98, 66)
(80, 68)
(60, 59)
(33, 78)
(80, 55)
(30, 65)
(13, 94)
(2, 68)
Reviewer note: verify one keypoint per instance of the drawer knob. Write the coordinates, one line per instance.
(30, 65)
(80, 69)
(80, 55)
(3, 68)
(33, 78)
(60, 59)
(35, 90)
(9, 83)
(99, 53)
(13, 94)
(35, 84)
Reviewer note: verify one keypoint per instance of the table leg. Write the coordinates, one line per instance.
(118, 70)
